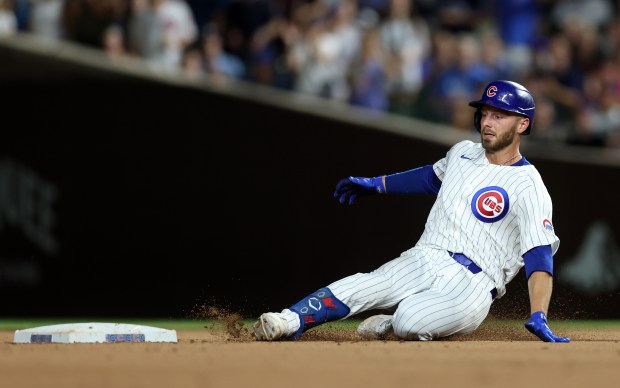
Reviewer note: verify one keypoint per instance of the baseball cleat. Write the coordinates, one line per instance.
(270, 327)
(377, 327)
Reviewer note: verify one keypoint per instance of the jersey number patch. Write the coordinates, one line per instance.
(490, 204)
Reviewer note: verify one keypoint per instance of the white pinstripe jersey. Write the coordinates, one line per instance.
(492, 214)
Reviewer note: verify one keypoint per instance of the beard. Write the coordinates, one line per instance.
(499, 142)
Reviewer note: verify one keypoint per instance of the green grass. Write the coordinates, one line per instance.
(586, 324)
(188, 324)
(176, 324)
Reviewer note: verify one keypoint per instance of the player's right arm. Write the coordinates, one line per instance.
(425, 180)
(421, 180)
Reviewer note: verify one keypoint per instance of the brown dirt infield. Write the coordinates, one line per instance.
(213, 357)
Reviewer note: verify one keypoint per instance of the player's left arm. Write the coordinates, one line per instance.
(539, 272)
(539, 243)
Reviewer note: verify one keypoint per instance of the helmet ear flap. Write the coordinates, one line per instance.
(477, 119)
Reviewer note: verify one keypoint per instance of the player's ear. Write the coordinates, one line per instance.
(523, 124)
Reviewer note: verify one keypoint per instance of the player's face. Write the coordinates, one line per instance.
(498, 128)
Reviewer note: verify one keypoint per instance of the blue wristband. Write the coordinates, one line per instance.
(538, 259)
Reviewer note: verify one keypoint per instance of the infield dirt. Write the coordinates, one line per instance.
(498, 356)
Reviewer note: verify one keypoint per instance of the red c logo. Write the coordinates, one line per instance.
(492, 91)
(490, 203)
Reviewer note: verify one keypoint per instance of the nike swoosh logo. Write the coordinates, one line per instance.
(465, 157)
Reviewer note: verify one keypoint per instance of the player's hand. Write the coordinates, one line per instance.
(349, 189)
(537, 325)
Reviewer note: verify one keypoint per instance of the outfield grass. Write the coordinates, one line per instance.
(188, 324)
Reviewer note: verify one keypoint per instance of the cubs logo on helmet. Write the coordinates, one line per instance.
(490, 204)
(492, 91)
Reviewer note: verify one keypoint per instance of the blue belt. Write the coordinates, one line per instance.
(465, 262)
(470, 265)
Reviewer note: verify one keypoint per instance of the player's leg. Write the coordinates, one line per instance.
(383, 288)
(457, 304)
(389, 284)
(319, 307)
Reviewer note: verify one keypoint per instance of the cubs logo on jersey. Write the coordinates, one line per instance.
(490, 204)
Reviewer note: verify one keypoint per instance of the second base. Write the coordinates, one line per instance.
(94, 332)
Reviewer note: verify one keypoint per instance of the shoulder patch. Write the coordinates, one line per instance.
(548, 226)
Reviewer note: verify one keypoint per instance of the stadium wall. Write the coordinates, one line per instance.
(125, 191)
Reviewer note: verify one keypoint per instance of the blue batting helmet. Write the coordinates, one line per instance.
(509, 96)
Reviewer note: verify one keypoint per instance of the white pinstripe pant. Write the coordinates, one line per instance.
(435, 296)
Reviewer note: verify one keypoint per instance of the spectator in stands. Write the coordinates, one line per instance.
(479, 57)
(145, 31)
(565, 13)
(242, 19)
(345, 28)
(562, 78)
(443, 56)
(548, 128)
(8, 20)
(84, 21)
(369, 81)
(218, 63)
(268, 52)
(114, 41)
(22, 14)
(587, 45)
(380, 7)
(459, 16)
(45, 18)
(462, 78)
(179, 31)
(406, 41)
(519, 23)
(493, 55)
(600, 116)
(319, 58)
(610, 39)
(192, 64)
(208, 11)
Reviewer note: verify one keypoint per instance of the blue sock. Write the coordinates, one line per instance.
(317, 308)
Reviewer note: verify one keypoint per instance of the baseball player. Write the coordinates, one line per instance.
(492, 216)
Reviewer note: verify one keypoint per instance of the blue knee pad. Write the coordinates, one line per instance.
(317, 308)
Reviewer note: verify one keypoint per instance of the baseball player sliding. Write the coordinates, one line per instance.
(491, 217)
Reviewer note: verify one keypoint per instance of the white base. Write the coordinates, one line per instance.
(94, 332)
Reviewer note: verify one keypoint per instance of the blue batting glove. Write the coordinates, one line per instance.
(537, 325)
(349, 189)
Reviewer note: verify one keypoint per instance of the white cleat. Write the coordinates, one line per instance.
(270, 327)
(377, 327)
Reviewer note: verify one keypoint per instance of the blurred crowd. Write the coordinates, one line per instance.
(420, 58)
